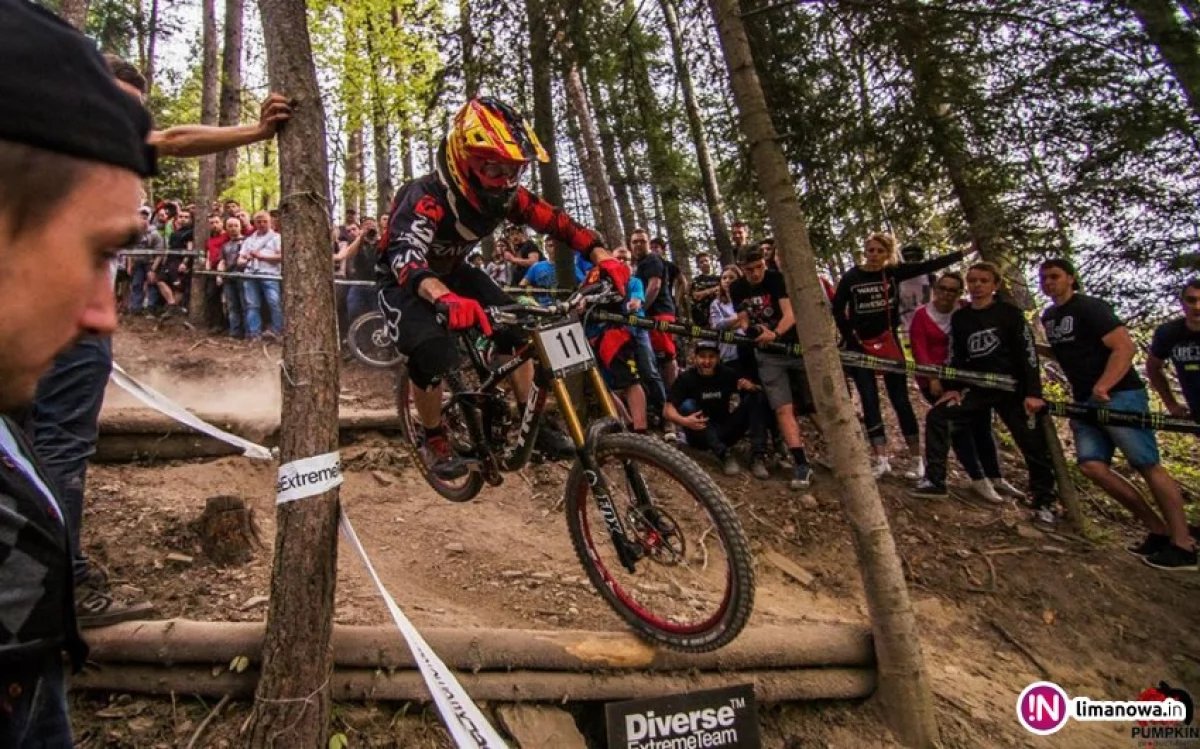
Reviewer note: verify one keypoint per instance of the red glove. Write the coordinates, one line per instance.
(617, 272)
(463, 313)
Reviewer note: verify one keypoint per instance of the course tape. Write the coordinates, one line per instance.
(308, 477)
(1156, 421)
(462, 717)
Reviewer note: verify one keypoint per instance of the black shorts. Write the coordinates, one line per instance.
(429, 345)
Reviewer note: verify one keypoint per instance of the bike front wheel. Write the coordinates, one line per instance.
(370, 343)
(693, 587)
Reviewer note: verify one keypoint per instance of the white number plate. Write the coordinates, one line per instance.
(566, 348)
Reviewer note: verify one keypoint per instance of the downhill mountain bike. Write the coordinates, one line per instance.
(657, 537)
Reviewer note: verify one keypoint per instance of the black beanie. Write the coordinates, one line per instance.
(59, 95)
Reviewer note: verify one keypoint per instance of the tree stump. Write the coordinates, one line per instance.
(228, 533)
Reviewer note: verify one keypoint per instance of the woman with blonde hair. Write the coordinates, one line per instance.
(866, 309)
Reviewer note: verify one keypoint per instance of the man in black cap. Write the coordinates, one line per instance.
(72, 154)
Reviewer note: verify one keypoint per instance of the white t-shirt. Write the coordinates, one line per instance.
(269, 242)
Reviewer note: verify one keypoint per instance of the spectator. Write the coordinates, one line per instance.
(542, 275)
(360, 257)
(740, 234)
(659, 305)
(706, 285)
(344, 234)
(498, 269)
(716, 407)
(276, 221)
(138, 266)
(767, 246)
(1096, 352)
(171, 273)
(232, 287)
(522, 256)
(972, 438)
(867, 312)
(261, 256)
(1178, 341)
(233, 209)
(992, 335)
(765, 312)
(69, 137)
(722, 315)
(476, 259)
(212, 259)
(915, 291)
(647, 370)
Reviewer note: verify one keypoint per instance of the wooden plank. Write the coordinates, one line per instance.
(540, 727)
(790, 568)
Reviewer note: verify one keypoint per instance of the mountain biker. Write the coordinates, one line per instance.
(434, 223)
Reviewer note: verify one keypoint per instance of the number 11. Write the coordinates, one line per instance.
(562, 342)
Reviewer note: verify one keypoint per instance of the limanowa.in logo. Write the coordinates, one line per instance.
(1044, 708)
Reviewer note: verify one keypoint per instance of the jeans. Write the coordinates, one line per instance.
(1097, 443)
(359, 301)
(1030, 437)
(656, 393)
(897, 390)
(66, 424)
(33, 709)
(974, 444)
(233, 306)
(254, 290)
(137, 285)
(751, 416)
(214, 316)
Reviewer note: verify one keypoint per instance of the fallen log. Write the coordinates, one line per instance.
(182, 641)
(514, 686)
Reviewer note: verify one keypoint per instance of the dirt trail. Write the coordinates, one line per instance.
(1106, 625)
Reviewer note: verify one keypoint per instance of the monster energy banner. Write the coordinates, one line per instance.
(1102, 416)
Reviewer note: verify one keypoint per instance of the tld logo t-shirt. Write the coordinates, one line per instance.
(1076, 331)
(1175, 343)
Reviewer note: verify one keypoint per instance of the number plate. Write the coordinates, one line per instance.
(565, 349)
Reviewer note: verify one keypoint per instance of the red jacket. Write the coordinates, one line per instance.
(929, 344)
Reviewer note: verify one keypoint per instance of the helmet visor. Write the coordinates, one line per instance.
(497, 175)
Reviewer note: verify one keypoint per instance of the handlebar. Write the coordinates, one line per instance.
(600, 292)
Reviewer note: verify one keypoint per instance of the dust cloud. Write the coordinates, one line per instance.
(248, 397)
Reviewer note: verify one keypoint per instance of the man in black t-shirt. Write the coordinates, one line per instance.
(703, 403)
(660, 305)
(1178, 341)
(765, 313)
(524, 254)
(1096, 352)
(705, 287)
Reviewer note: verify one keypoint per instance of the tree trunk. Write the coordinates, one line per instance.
(543, 97)
(611, 164)
(231, 89)
(151, 47)
(708, 174)
(406, 152)
(948, 142)
(470, 68)
(75, 12)
(292, 701)
(903, 683)
(198, 310)
(385, 190)
(604, 208)
(1175, 42)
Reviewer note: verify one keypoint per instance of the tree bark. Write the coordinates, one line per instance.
(611, 164)
(1175, 42)
(708, 174)
(385, 189)
(605, 208)
(581, 157)
(292, 700)
(470, 68)
(903, 682)
(542, 66)
(75, 12)
(406, 152)
(198, 311)
(151, 47)
(231, 89)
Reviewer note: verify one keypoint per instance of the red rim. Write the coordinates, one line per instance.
(640, 611)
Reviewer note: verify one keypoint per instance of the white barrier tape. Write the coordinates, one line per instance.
(467, 725)
(461, 716)
(308, 477)
(165, 405)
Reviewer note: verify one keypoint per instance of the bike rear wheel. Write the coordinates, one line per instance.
(461, 489)
(370, 343)
(693, 589)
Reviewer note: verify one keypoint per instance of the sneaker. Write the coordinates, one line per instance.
(918, 471)
(730, 465)
(758, 468)
(96, 607)
(1150, 545)
(671, 436)
(1045, 516)
(926, 489)
(441, 459)
(1172, 558)
(801, 477)
(984, 488)
(880, 467)
(556, 445)
(1008, 490)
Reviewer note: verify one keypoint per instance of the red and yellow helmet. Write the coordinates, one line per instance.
(487, 150)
